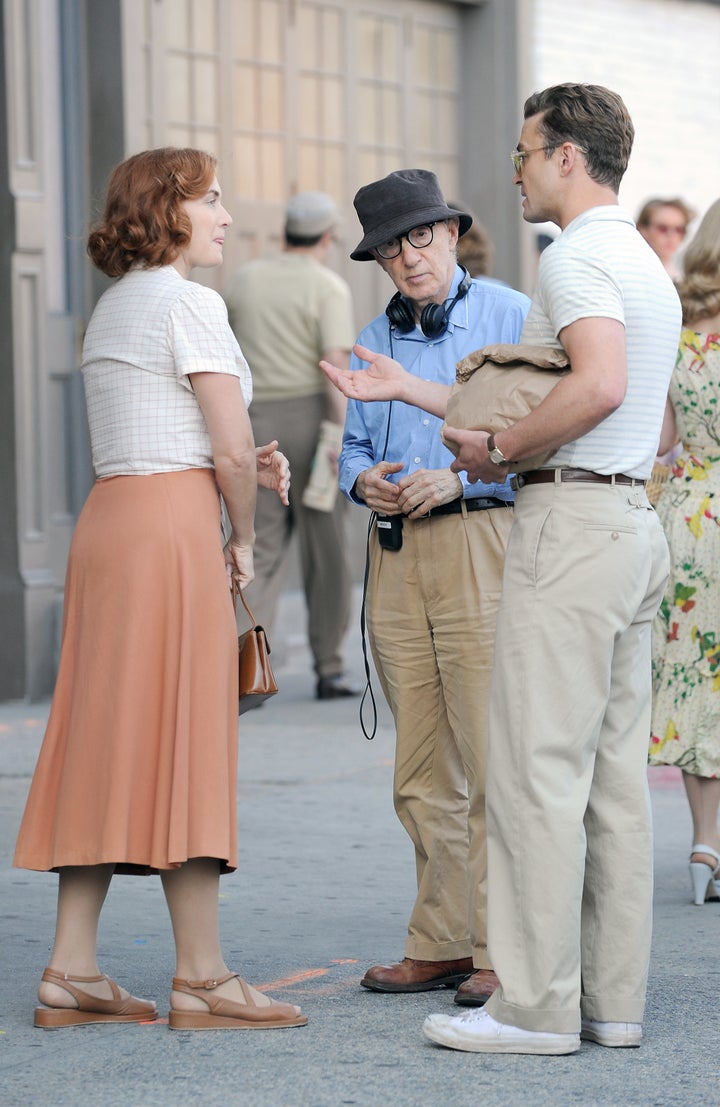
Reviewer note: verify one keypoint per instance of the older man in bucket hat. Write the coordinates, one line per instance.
(436, 556)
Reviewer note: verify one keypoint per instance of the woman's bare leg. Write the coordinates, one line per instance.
(192, 897)
(81, 895)
(703, 795)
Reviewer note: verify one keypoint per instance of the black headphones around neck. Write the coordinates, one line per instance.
(434, 318)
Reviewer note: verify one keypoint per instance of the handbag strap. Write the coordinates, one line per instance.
(237, 591)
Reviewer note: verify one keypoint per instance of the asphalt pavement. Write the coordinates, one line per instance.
(323, 889)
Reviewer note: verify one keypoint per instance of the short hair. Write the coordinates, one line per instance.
(475, 250)
(143, 221)
(699, 287)
(592, 117)
(650, 207)
(303, 240)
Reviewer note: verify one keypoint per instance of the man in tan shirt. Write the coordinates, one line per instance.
(288, 312)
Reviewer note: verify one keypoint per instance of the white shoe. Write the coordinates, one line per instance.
(476, 1031)
(705, 882)
(627, 1034)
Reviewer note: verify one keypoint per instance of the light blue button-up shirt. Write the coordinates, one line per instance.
(491, 312)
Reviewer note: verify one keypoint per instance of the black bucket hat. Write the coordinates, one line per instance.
(400, 201)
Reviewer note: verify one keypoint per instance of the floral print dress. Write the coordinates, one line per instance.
(686, 631)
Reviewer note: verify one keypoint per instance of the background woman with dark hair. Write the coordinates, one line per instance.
(137, 772)
(686, 634)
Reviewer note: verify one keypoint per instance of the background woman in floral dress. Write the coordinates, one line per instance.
(686, 634)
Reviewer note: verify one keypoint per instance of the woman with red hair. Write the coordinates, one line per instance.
(137, 772)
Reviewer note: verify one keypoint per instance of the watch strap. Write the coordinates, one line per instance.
(496, 454)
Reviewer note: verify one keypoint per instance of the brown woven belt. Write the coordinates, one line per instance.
(548, 476)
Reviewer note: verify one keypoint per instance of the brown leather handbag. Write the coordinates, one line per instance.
(257, 681)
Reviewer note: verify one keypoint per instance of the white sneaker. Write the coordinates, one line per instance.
(476, 1031)
(627, 1034)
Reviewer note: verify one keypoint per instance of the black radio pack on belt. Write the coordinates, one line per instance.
(389, 531)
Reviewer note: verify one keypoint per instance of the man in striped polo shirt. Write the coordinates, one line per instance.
(569, 831)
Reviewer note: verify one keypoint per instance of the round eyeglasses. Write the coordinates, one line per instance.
(419, 237)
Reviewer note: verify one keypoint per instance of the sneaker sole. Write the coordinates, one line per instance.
(612, 1041)
(552, 1049)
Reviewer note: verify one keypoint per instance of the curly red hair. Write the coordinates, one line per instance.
(144, 222)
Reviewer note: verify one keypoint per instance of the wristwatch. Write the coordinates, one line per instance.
(496, 454)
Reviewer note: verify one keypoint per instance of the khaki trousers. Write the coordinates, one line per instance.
(325, 565)
(431, 621)
(569, 830)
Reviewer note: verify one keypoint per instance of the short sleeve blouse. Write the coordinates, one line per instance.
(148, 333)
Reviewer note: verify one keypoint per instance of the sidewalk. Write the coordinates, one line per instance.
(323, 889)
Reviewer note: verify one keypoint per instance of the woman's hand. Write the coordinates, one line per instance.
(273, 470)
(238, 563)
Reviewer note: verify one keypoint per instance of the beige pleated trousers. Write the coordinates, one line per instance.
(569, 830)
(431, 622)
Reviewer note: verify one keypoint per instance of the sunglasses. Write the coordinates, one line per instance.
(517, 157)
(668, 228)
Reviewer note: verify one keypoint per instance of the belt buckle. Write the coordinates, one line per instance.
(517, 481)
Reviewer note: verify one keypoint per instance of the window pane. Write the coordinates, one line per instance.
(309, 172)
(178, 87)
(332, 103)
(207, 140)
(243, 25)
(243, 111)
(176, 24)
(206, 98)
(331, 41)
(391, 116)
(367, 38)
(204, 25)
(246, 183)
(365, 120)
(271, 100)
(309, 105)
(446, 108)
(391, 48)
(307, 27)
(445, 67)
(272, 169)
(423, 57)
(334, 172)
(270, 44)
(179, 135)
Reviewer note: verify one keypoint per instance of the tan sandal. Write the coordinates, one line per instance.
(225, 1014)
(90, 1009)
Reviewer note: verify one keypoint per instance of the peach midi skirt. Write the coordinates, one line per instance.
(138, 766)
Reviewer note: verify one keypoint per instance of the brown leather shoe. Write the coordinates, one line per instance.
(477, 989)
(417, 976)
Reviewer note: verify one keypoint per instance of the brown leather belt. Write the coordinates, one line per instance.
(548, 476)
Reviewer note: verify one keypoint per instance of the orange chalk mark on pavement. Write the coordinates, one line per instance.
(296, 978)
(305, 974)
